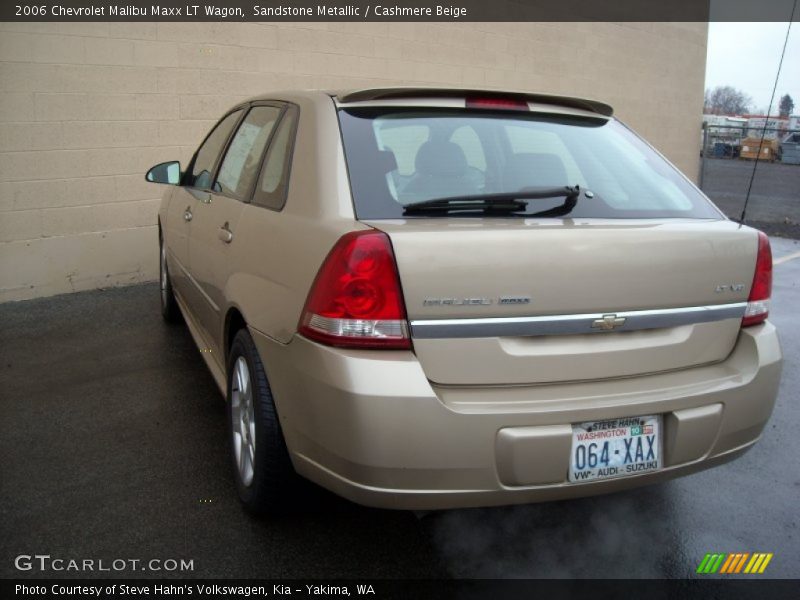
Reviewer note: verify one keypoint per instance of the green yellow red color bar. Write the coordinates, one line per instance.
(734, 562)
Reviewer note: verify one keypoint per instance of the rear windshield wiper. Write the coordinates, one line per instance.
(501, 202)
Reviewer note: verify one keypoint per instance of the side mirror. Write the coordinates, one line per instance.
(166, 172)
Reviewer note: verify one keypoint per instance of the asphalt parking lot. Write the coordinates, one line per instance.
(774, 203)
(113, 445)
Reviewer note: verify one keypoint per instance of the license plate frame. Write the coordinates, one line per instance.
(611, 448)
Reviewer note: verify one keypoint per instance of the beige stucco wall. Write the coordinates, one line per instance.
(86, 108)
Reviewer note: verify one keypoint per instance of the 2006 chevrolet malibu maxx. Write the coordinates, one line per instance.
(430, 298)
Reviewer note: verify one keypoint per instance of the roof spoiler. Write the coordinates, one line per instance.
(415, 92)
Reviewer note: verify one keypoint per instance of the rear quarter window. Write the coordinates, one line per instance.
(273, 184)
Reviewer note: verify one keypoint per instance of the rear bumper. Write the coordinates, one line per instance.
(371, 427)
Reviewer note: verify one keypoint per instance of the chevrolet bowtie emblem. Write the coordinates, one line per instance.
(608, 322)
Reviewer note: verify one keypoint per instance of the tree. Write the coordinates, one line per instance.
(726, 100)
(786, 106)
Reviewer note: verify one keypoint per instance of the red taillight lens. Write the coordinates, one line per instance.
(356, 301)
(497, 103)
(761, 291)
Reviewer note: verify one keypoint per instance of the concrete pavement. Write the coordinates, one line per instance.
(113, 441)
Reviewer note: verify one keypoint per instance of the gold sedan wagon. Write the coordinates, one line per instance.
(433, 298)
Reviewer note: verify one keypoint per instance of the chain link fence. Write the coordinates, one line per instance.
(731, 141)
(728, 154)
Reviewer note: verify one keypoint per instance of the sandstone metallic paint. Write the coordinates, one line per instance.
(373, 428)
(421, 428)
(570, 267)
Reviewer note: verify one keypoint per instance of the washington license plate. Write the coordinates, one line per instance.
(616, 448)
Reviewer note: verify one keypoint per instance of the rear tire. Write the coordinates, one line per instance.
(265, 478)
(170, 311)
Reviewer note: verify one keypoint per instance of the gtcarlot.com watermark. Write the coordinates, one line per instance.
(46, 563)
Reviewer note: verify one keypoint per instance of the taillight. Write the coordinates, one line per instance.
(758, 302)
(356, 301)
(497, 103)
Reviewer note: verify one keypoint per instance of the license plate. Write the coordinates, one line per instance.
(615, 448)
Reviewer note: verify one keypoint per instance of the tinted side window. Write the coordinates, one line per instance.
(470, 143)
(404, 143)
(526, 140)
(274, 183)
(203, 167)
(243, 158)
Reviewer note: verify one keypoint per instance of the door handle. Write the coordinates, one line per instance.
(187, 214)
(225, 234)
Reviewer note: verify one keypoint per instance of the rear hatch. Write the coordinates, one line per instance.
(476, 291)
(539, 240)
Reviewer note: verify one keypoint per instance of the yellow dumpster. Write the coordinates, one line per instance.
(753, 148)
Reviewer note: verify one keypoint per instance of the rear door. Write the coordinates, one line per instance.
(216, 220)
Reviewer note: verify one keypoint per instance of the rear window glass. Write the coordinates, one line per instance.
(398, 157)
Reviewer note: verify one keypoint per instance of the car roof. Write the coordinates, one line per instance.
(395, 94)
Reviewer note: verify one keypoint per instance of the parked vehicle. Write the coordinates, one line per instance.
(790, 148)
(433, 298)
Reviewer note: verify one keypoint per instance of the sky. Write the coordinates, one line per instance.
(746, 56)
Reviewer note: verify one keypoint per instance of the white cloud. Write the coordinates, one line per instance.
(746, 55)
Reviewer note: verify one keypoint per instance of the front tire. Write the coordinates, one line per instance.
(265, 478)
(169, 306)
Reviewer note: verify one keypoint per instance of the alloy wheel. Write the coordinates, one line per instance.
(243, 423)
